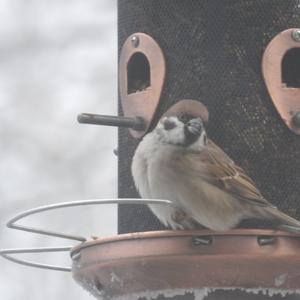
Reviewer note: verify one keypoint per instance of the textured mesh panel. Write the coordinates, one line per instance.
(213, 52)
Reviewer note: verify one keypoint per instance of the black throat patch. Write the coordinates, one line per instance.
(189, 138)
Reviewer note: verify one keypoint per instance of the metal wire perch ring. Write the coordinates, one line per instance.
(12, 224)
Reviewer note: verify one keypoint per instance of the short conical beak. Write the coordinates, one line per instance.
(194, 127)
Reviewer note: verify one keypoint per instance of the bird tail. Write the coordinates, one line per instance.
(285, 222)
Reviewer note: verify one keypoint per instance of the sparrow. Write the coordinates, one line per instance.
(178, 162)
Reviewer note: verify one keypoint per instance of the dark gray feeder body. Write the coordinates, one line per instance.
(213, 52)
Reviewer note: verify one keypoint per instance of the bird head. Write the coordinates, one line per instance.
(185, 131)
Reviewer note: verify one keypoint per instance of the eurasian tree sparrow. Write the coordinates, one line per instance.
(177, 162)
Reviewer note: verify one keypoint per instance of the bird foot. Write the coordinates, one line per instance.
(178, 216)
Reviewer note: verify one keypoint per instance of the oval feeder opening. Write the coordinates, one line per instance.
(138, 73)
(142, 69)
(281, 71)
(291, 68)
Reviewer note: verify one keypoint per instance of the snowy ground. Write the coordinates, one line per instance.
(57, 58)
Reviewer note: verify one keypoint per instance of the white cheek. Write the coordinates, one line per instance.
(177, 135)
(172, 136)
(160, 126)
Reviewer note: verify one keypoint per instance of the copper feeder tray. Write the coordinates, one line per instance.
(169, 260)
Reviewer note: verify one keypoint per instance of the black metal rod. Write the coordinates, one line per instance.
(136, 123)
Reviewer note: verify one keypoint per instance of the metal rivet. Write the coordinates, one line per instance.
(296, 119)
(265, 240)
(135, 41)
(76, 256)
(202, 240)
(296, 35)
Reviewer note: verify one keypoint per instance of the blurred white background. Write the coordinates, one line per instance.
(57, 58)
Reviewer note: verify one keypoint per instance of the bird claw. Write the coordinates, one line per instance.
(178, 216)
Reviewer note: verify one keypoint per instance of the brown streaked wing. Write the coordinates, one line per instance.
(216, 167)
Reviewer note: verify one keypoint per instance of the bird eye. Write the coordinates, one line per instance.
(184, 118)
(168, 125)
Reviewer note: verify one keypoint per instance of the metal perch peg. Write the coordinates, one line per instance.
(136, 123)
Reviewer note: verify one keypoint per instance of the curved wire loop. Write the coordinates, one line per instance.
(12, 225)
(6, 254)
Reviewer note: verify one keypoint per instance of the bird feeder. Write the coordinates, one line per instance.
(239, 61)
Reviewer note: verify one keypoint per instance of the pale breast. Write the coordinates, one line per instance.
(156, 176)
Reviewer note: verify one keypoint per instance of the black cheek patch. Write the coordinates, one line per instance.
(168, 125)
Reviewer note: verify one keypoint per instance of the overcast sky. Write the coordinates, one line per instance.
(57, 58)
